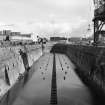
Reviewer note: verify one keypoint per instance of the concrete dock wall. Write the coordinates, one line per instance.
(90, 64)
(88, 58)
(14, 62)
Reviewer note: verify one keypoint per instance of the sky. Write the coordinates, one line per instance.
(46, 17)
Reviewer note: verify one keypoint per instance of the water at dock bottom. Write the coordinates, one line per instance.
(66, 86)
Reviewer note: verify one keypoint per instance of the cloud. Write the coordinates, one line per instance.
(47, 28)
(44, 17)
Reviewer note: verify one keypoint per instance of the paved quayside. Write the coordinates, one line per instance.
(54, 82)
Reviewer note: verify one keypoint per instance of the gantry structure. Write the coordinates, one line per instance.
(99, 19)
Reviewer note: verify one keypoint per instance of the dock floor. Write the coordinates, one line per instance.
(54, 82)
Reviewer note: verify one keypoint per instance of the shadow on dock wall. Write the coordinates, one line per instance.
(25, 59)
(90, 63)
(11, 95)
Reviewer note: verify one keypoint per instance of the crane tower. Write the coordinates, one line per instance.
(99, 19)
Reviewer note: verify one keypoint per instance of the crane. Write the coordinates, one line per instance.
(99, 19)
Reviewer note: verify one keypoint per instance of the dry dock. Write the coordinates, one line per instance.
(54, 81)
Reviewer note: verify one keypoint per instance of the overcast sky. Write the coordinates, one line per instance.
(45, 16)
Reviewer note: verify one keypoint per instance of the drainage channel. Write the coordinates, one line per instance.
(53, 100)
